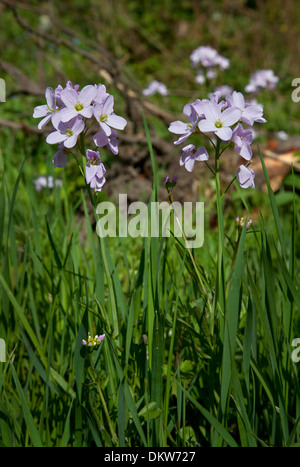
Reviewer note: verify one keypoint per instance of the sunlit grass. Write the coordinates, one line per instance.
(168, 373)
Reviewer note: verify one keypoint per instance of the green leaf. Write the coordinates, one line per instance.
(231, 321)
(212, 420)
(150, 411)
(33, 431)
(133, 412)
(272, 202)
(79, 352)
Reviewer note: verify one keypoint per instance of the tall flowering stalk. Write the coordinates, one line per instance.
(71, 113)
(208, 62)
(225, 123)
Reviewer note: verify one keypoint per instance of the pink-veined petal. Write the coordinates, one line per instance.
(108, 105)
(211, 111)
(189, 164)
(100, 139)
(113, 145)
(190, 112)
(40, 111)
(50, 98)
(71, 141)
(78, 125)
(231, 115)
(101, 94)
(236, 100)
(105, 128)
(97, 109)
(201, 154)
(100, 171)
(44, 122)
(87, 95)
(182, 138)
(251, 114)
(60, 159)
(245, 177)
(67, 114)
(90, 172)
(69, 97)
(87, 112)
(245, 151)
(206, 126)
(55, 119)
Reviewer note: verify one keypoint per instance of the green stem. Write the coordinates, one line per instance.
(220, 286)
(112, 299)
(232, 179)
(111, 429)
(222, 196)
(188, 249)
(207, 164)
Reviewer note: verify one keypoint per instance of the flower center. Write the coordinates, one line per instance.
(79, 106)
(103, 118)
(94, 160)
(218, 124)
(69, 132)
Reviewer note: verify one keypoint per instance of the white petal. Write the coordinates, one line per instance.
(71, 141)
(69, 97)
(44, 122)
(189, 164)
(50, 98)
(55, 137)
(178, 128)
(90, 172)
(116, 122)
(105, 128)
(87, 112)
(67, 114)
(108, 105)
(40, 111)
(87, 95)
(212, 112)
(206, 126)
(201, 154)
(224, 133)
(231, 116)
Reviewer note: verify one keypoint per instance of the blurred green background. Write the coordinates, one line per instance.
(127, 44)
(51, 42)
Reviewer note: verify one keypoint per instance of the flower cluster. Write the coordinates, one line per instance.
(93, 341)
(46, 182)
(210, 61)
(170, 184)
(70, 111)
(156, 87)
(225, 119)
(224, 90)
(241, 221)
(261, 79)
